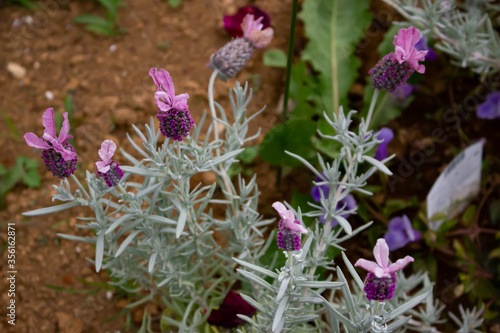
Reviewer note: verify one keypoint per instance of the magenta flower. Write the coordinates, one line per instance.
(173, 114)
(396, 67)
(380, 282)
(226, 315)
(490, 109)
(400, 232)
(232, 23)
(59, 156)
(386, 134)
(289, 229)
(107, 168)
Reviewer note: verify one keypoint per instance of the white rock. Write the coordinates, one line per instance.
(112, 48)
(16, 70)
(49, 95)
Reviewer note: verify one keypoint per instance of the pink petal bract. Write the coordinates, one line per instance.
(399, 264)
(102, 166)
(48, 122)
(405, 50)
(381, 253)
(108, 148)
(232, 23)
(165, 94)
(34, 141)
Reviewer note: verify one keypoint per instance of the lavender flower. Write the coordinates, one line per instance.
(387, 135)
(289, 229)
(59, 156)
(232, 23)
(381, 280)
(230, 59)
(396, 67)
(108, 169)
(400, 233)
(490, 109)
(349, 203)
(173, 114)
(422, 46)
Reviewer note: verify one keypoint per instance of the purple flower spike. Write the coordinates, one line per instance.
(401, 233)
(386, 134)
(107, 168)
(396, 67)
(232, 23)
(173, 114)
(226, 315)
(381, 280)
(422, 46)
(59, 156)
(289, 229)
(490, 109)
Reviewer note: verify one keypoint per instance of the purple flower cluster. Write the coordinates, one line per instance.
(385, 134)
(107, 168)
(173, 114)
(59, 156)
(289, 229)
(380, 282)
(490, 109)
(396, 67)
(400, 232)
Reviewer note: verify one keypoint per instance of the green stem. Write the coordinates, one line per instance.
(80, 186)
(295, 5)
(370, 111)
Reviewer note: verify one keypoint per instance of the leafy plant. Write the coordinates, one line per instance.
(25, 170)
(105, 26)
(30, 4)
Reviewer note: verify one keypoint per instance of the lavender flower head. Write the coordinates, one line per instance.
(348, 202)
(396, 67)
(380, 282)
(230, 59)
(385, 134)
(107, 168)
(400, 233)
(59, 156)
(490, 109)
(173, 114)
(289, 229)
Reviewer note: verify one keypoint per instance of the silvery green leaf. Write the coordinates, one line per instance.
(181, 223)
(252, 302)
(344, 224)
(376, 163)
(126, 242)
(319, 284)
(99, 250)
(256, 268)
(117, 223)
(335, 313)
(152, 261)
(346, 292)
(245, 318)
(53, 209)
(307, 164)
(398, 324)
(137, 147)
(161, 219)
(401, 309)
(278, 316)
(301, 319)
(142, 172)
(148, 190)
(283, 287)
(86, 239)
(256, 279)
(353, 272)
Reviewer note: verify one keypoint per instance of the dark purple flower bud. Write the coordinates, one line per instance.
(400, 232)
(380, 289)
(226, 315)
(387, 135)
(175, 124)
(289, 229)
(56, 164)
(232, 23)
(107, 168)
(490, 109)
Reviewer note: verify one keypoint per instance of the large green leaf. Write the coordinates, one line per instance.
(333, 28)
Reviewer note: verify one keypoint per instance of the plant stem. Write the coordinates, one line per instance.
(80, 186)
(370, 111)
(295, 5)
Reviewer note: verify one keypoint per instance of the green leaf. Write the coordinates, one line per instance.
(294, 136)
(333, 29)
(12, 176)
(275, 58)
(174, 3)
(91, 20)
(248, 155)
(32, 178)
(3, 171)
(468, 215)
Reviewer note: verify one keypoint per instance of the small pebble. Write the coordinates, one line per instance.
(49, 95)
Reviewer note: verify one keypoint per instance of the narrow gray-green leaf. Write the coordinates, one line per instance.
(53, 209)
(377, 164)
(256, 268)
(117, 223)
(126, 242)
(408, 305)
(152, 261)
(181, 223)
(99, 250)
(278, 316)
(353, 272)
